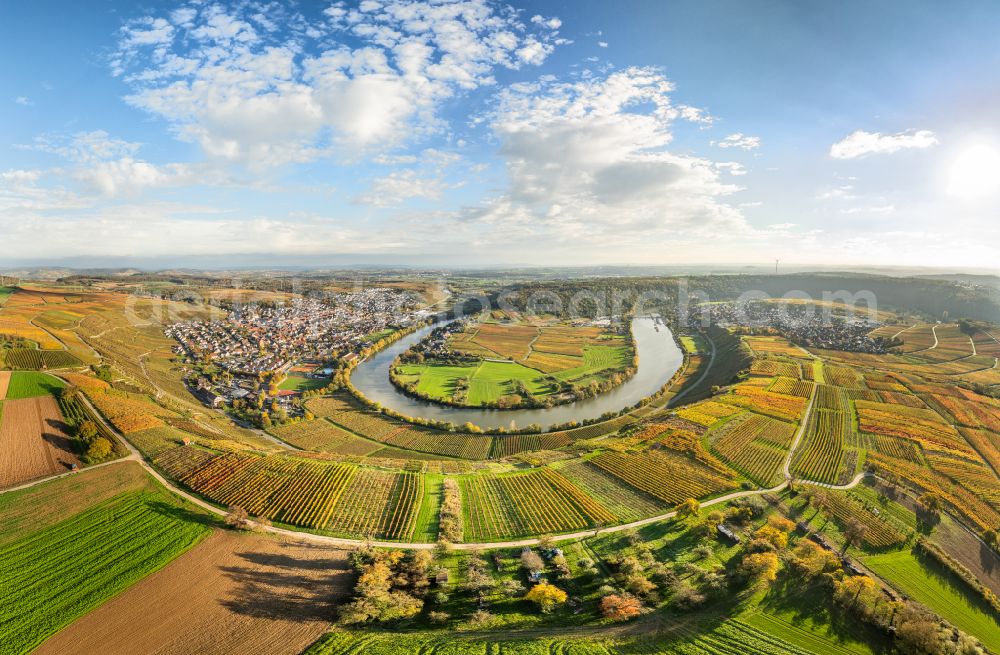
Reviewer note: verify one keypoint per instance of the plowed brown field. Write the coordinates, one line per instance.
(4, 382)
(33, 441)
(233, 593)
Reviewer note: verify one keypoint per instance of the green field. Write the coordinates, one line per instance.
(298, 383)
(4, 294)
(693, 344)
(491, 380)
(62, 572)
(488, 381)
(939, 591)
(24, 384)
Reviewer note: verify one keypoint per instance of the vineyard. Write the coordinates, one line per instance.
(648, 471)
(541, 501)
(755, 445)
(35, 360)
(624, 501)
(822, 455)
(781, 406)
(335, 497)
(731, 637)
(707, 413)
(380, 504)
(323, 436)
(879, 533)
(775, 346)
(774, 368)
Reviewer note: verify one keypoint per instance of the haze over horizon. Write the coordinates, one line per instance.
(501, 134)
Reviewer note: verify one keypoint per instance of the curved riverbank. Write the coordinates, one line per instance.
(659, 359)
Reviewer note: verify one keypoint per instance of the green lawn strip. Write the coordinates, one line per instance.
(298, 383)
(804, 634)
(26, 384)
(430, 507)
(59, 573)
(938, 590)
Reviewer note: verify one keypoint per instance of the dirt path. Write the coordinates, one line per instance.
(233, 593)
(923, 350)
(909, 327)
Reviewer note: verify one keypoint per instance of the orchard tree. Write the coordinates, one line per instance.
(546, 596)
(688, 508)
(620, 607)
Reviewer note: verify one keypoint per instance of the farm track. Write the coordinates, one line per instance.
(135, 455)
(909, 327)
(923, 350)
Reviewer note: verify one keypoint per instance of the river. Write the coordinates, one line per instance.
(659, 359)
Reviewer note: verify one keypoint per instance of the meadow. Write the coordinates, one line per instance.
(939, 591)
(65, 570)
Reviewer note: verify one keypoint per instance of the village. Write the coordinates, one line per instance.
(272, 354)
(802, 324)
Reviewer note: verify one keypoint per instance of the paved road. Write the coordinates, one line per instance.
(337, 542)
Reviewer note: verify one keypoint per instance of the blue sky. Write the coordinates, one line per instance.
(476, 132)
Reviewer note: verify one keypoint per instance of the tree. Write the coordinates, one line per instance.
(918, 632)
(99, 450)
(68, 392)
(760, 566)
(931, 503)
(857, 590)
(772, 535)
(238, 518)
(689, 507)
(546, 596)
(854, 533)
(87, 431)
(620, 607)
(531, 561)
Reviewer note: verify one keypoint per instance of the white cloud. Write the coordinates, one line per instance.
(602, 44)
(860, 143)
(739, 140)
(109, 166)
(843, 192)
(399, 186)
(588, 162)
(875, 209)
(731, 167)
(551, 23)
(363, 80)
(24, 101)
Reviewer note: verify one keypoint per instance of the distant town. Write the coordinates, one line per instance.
(804, 325)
